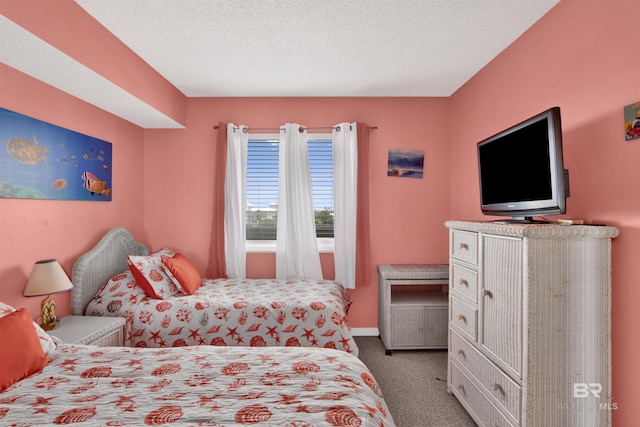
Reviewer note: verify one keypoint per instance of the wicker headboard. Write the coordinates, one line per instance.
(107, 259)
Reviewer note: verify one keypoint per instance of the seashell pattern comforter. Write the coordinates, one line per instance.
(201, 385)
(230, 312)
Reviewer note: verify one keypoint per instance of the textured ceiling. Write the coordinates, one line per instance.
(211, 48)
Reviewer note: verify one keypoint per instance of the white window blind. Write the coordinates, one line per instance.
(321, 165)
(262, 185)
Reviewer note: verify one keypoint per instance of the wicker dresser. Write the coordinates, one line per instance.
(412, 306)
(529, 325)
(91, 330)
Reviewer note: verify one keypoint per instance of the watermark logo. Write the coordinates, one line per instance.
(584, 390)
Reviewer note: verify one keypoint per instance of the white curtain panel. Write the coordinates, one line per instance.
(297, 255)
(345, 180)
(235, 202)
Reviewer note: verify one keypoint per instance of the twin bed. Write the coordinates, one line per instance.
(223, 312)
(283, 384)
(199, 385)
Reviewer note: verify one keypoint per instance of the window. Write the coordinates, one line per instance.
(262, 188)
(321, 165)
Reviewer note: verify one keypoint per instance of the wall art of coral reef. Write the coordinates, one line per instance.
(39, 160)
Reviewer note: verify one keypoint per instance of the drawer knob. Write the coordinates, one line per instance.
(461, 389)
(461, 353)
(464, 246)
(497, 387)
(462, 318)
(464, 282)
(487, 293)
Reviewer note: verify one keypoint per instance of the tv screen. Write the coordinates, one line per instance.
(521, 169)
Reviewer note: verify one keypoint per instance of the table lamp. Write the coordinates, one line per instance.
(47, 277)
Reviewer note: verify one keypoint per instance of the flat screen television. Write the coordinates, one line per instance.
(522, 172)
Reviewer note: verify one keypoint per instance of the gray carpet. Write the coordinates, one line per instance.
(414, 383)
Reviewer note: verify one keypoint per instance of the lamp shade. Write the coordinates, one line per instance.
(47, 277)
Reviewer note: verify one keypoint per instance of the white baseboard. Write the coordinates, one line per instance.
(365, 332)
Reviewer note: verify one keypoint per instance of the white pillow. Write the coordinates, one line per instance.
(152, 276)
(168, 253)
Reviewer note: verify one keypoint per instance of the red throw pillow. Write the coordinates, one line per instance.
(20, 353)
(184, 272)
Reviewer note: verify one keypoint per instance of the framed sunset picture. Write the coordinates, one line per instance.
(39, 160)
(405, 163)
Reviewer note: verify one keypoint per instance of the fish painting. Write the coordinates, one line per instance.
(59, 184)
(93, 184)
(39, 160)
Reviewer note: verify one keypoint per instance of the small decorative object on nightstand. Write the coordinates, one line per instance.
(92, 330)
(413, 306)
(47, 277)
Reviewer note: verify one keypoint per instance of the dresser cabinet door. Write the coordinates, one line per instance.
(437, 321)
(501, 301)
(408, 326)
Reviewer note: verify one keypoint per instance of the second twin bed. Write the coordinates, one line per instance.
(223, 312)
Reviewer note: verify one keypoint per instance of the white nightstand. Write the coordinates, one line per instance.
(91, 330)
(413, 306)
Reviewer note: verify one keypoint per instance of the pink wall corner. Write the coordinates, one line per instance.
(31, 230)
(67, 26)
(407, 215)
(579, 57)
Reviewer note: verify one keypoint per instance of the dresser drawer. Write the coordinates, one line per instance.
(464, 246)
(474, 401)
(494, 382)
(464, 318)
(464, 282)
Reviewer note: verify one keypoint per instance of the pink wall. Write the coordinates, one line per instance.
(31, 230)
(407, 214)
(582, 56)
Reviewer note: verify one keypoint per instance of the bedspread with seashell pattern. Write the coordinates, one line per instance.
(232, 312)
(201, 385)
